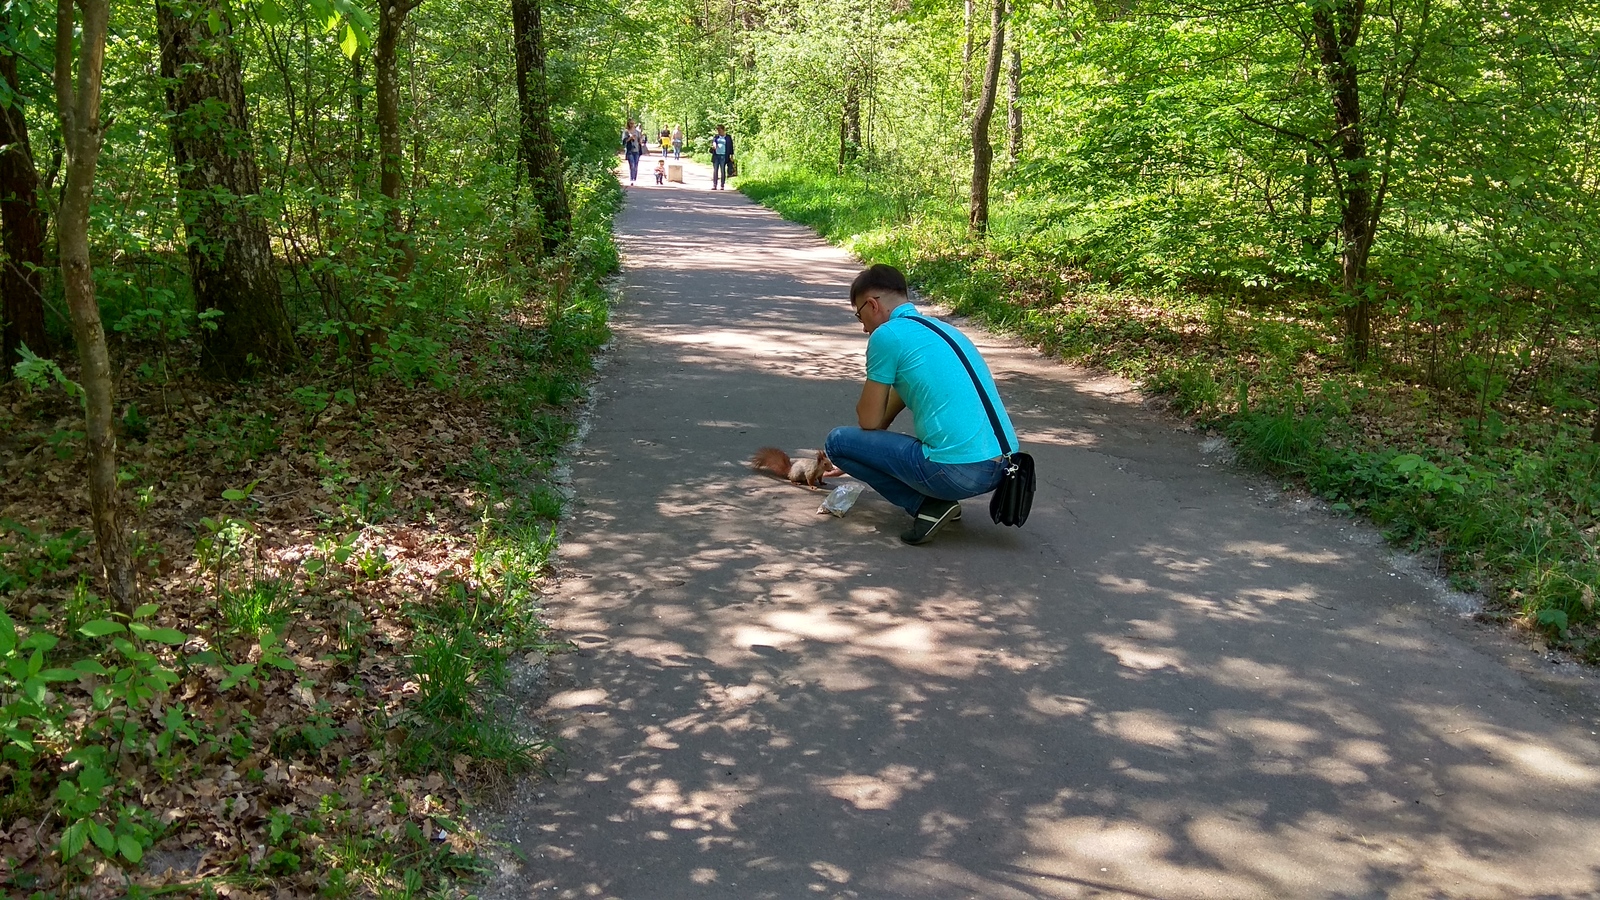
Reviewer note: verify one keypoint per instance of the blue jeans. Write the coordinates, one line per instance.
(894, 465)
(633, 166)
(719, 170)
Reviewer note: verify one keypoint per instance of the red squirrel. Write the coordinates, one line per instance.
(807, 467)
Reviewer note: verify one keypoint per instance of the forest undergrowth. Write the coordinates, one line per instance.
(1495, 472)
(337, 565)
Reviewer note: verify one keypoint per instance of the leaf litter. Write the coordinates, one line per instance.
(305, 544)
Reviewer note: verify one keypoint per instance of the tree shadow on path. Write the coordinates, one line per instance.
(1171, 683)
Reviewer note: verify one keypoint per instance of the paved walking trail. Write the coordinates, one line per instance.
(1173, 683)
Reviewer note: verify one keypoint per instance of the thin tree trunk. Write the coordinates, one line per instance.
(850, 124)
(982, 150)
(1338, 28)
(968, 11)
(361, 160)
(540, 153)
(230, 255)
(22, 227)
(78, 106)
(1014, 147)
(1308, 198)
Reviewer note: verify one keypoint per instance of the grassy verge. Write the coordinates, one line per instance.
(1502, 480)
(338, 565)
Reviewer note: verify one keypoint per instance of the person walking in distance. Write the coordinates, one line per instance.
(721, 156)
(677, 142)
(633, 148)
(912, 363)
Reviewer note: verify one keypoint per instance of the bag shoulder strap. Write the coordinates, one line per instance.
(988, 407)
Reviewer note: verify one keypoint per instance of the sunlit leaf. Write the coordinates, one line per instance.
(102, 838)
(130, 848)
(8, 634)
(159, 635)
(74, 839)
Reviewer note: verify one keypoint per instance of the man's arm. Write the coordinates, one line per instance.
(878, 406)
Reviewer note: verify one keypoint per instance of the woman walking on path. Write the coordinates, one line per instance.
(632, 148)
(677, 142)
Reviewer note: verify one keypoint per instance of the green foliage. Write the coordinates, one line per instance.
(261, 604)
(28, 556)
(458, 668)
(36, 373)
(99, 810)
(371, 314)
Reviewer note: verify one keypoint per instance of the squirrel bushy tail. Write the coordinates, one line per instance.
(806, 468)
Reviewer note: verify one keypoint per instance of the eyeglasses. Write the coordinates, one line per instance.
(864, 306)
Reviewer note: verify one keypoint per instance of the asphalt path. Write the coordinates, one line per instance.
(1177, 681)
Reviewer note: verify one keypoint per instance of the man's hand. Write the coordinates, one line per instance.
(878, 406)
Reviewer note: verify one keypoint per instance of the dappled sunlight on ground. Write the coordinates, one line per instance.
(1164, 686)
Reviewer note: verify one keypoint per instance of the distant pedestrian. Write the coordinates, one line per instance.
(721, 158)
(632, 148)
(677, 142)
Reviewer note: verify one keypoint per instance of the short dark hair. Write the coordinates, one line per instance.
(881, 277)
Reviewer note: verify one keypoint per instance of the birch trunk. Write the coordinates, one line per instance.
(77, 83)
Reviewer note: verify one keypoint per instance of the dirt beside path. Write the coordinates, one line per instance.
(1175, 682)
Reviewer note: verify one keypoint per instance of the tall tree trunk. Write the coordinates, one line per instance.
(78, 106)
(540, 153)
(1338, 29)
(1014, 147)
(230, 254)
(982, 150)
(850, 124)
(21, 227)
(391, 143)
(1308, 199)
(968, 11)
(361, 160)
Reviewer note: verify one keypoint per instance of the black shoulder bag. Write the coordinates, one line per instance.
(1013, 499)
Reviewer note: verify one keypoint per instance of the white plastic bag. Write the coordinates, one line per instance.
(841, 498)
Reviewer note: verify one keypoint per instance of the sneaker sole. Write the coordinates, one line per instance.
(937, 523)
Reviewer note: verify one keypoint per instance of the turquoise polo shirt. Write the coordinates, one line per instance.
(924, 371)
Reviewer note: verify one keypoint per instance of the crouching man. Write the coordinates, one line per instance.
(955, 453)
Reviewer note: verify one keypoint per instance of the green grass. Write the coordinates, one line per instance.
(260, 605)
